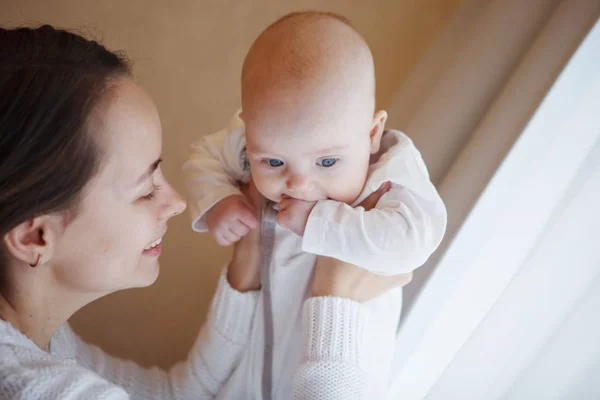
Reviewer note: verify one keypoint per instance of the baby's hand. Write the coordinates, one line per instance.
(293, 214)
(231, 219)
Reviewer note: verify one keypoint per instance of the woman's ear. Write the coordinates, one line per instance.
(33, 241)
(377, 130)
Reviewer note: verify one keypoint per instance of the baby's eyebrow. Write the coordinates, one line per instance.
(255, 154)
(330, 150)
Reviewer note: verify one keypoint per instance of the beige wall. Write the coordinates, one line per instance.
(188, 54)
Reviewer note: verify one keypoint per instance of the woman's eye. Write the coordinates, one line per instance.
(152, 194)
(273, 162)
(327, 162)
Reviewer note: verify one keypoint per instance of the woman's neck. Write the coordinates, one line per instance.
(35, 309)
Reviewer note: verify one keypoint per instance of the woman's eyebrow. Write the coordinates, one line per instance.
(148, 172)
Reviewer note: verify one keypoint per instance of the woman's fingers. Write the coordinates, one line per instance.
(371, 201)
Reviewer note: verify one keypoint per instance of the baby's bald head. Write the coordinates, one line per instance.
(309, 61)
(308, 101)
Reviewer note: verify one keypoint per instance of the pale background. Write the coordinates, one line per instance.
(188, 55)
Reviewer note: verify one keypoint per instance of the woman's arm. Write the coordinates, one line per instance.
(216, 352)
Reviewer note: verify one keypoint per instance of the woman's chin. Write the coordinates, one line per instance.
(147, 273)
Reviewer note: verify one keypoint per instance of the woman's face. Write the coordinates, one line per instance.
(113, 242)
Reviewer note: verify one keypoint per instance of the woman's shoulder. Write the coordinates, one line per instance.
(28, 372)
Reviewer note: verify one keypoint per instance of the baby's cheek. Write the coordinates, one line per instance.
(345, 189)
(267, 186)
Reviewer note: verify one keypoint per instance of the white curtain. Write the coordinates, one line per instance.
(476, 88)
(508, 308)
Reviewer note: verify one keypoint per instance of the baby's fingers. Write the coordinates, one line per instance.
(221, 239)
(247, 218)
(230, 236)
(283, 218)
(239, 229)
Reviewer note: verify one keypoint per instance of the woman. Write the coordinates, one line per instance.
(83, 208)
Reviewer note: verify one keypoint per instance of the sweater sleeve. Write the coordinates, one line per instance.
(37, 378)
(215, 167)
(398, 235)
(332, 351)
(213, 357)
(348, 347)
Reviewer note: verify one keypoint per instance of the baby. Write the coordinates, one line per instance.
(311, 141)
(315, 145)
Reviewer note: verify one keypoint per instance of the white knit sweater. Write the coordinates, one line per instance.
(330, 366)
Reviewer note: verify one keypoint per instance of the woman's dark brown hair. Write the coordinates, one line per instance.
(50, 81)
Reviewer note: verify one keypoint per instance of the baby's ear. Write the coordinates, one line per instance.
(377, 130)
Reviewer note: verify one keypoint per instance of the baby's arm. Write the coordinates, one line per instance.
(212, 174)
(397, 236)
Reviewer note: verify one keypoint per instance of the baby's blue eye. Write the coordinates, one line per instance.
(327, 162)
(273, 162)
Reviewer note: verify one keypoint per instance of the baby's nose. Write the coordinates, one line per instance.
(297, 183)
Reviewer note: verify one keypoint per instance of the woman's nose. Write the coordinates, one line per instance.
(174, 204)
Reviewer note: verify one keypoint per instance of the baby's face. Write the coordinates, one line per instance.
(309, 158)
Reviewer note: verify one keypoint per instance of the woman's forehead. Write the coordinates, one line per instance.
(130, 131)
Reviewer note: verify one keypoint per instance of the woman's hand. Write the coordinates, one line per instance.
(243, 273)
(339, 279)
